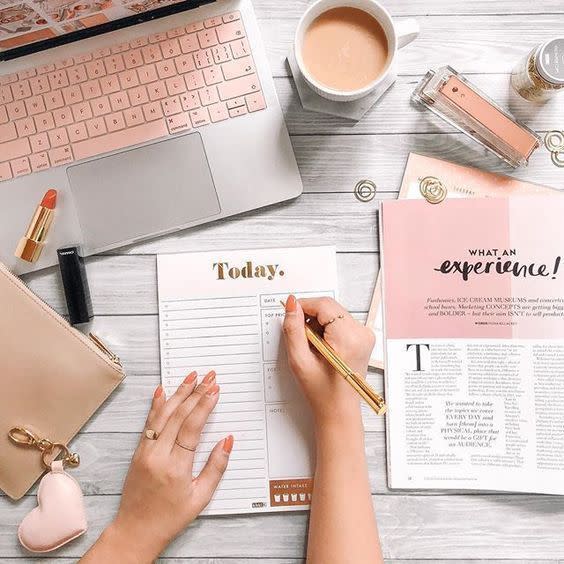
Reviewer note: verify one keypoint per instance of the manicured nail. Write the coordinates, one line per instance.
(158, 391)
(291, 304)
(228, 444)
(213, 391)
(190, 378)
(209, 378)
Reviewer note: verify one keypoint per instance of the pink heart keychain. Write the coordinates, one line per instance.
(59, 516)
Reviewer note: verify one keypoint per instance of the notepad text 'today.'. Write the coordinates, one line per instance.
(248, 270)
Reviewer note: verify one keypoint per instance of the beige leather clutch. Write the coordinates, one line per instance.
(52, 379)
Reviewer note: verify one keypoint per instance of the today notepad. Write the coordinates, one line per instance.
(221, 310)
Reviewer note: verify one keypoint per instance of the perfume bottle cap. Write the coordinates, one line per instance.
(549, 61)
(75, 284)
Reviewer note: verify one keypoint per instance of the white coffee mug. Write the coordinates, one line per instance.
(398, 33)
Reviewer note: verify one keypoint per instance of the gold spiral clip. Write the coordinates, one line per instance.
(432, 189)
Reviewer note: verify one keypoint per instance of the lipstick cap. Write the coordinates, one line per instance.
(75, 284)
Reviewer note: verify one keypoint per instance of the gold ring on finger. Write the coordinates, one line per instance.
(185, 447)
(341, 316)
(151, 435)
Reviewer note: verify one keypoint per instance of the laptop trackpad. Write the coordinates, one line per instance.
(143, 191)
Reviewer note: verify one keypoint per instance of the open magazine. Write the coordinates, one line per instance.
(473, 293)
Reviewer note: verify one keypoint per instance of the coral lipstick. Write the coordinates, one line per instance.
(31, 244)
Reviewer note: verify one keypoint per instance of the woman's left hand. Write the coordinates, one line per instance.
(160, 496)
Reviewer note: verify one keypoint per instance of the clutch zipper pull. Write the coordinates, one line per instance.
(100, 344)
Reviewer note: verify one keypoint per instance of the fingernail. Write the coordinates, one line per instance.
(190, 378)
(228, 444)
(213, 391)
(209, 378)
(158, 391)
(291, 304)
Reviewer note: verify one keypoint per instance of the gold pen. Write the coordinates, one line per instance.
(373, 399)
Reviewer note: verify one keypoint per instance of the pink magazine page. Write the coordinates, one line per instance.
(474, 318)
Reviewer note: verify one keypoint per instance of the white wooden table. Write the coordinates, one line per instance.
(481, 38)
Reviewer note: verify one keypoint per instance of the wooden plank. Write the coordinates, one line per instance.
(127, 284)
(395, 113)
(274, 9)
(470, 43)
(416, 527)
(168, 560)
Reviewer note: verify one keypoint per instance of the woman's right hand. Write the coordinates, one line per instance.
(330, 397)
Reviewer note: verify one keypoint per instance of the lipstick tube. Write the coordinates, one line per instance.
(31, 244)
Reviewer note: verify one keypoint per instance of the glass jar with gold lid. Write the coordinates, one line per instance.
(540, 75)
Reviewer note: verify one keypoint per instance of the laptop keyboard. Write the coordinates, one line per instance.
(152, 87)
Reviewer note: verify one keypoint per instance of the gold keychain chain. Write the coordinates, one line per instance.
(25, 437)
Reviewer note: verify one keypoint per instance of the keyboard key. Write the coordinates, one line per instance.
(238, 67)
(231, 17)
(6, 95)
(238, 87)
(148, 74)
(212, 75)
(25, 127)
(236, 112)
(221, 54)
(184, 64)
(115, 122)
(77, 75)
(157, 91)
(8, 132)
(101, 53)
(54, 100)
(58, 79)
(175, 86)
(60, 155)
(255, 102)
(203, 59)
(5, 172)
(95, 69)
(72, 95)
(194, 80)
(101, 106)
(133, 117)
(170, 48)
(35, 105)
(77, 132)
(218, 112)
(44, 122)
(120, 139)
(138, 96)
(212, 22)
(235, 103)
(81, 111)
(207, 38)
(189, 43)
(139, 42)
(14, 149)
(96, 127)
(197, 26)
(3, 115)
(64, 63)
(39, 161)
(84, 58)
(231, 31)
(120, 48)
(20, 167)
(119, 101)
(157, 37)
(91, 89)
(39, 85)
(110, 84)
(28, 73)
(171, 106)
(44, 69)
(133, 59)
(200, 117)
(8, 78)
(39, 142)
(128, 79)
(208, 95)
(166, 69)
(240, 48)
(151, 54)
(176, 32)
(58, 137)
(63, 117)
(16, 110)
(190, 101)
(152, 111)
(114, 63)
(21, 90)
(178, 122)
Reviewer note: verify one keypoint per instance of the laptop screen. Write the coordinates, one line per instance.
(29, 25)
